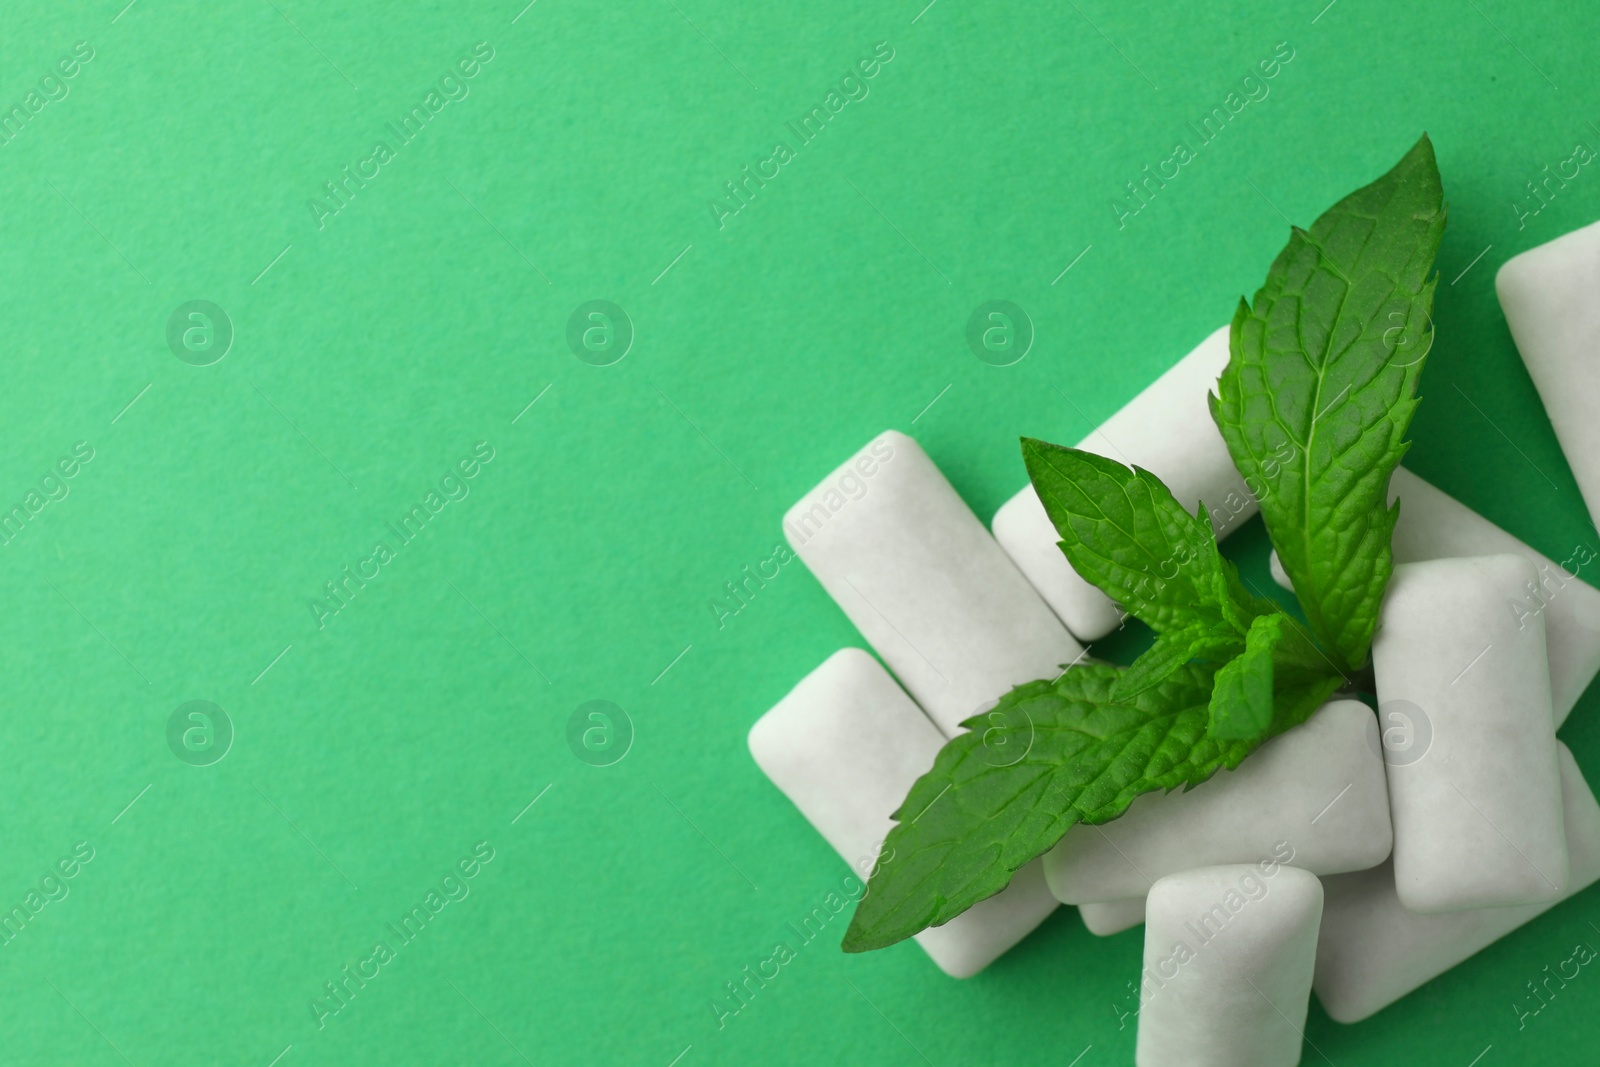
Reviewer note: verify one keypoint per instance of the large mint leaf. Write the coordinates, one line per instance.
(1321, 386)
(1123, 531)
(975, 818)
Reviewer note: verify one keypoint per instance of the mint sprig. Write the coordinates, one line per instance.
(1324, 364)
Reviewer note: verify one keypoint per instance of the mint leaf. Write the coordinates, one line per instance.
(1172, 650)
(1321, 386)
(1239, 607)
(1123, 531)
(969, 823)
(1297, 695)
(1241, 699)
(1303, 676)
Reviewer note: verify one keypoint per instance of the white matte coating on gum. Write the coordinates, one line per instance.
(914, 569)
(1318, 789)
(845, 745)
(1435, 525)
(1108, 917)
(1548, 295)
(1477, 813)
(1228, 959)
(1167, 430)
(1372, 950)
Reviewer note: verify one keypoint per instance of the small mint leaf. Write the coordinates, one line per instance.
(1297, 696)
(1172, 650)
(1123, 531)
(1239, 607)
(1241, 699)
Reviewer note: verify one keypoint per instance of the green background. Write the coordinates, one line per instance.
(372, 354)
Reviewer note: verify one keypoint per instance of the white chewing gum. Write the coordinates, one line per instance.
(1435, 525)
(1167, 430)
(914, 569)
(845, 745)
(1314, 796)
(1228, 958)
(1279, 575)
(1548, 295)
(1112, 916)
(1372, 950)
(1476, 799)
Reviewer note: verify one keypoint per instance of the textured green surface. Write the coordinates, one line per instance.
(372, 356)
